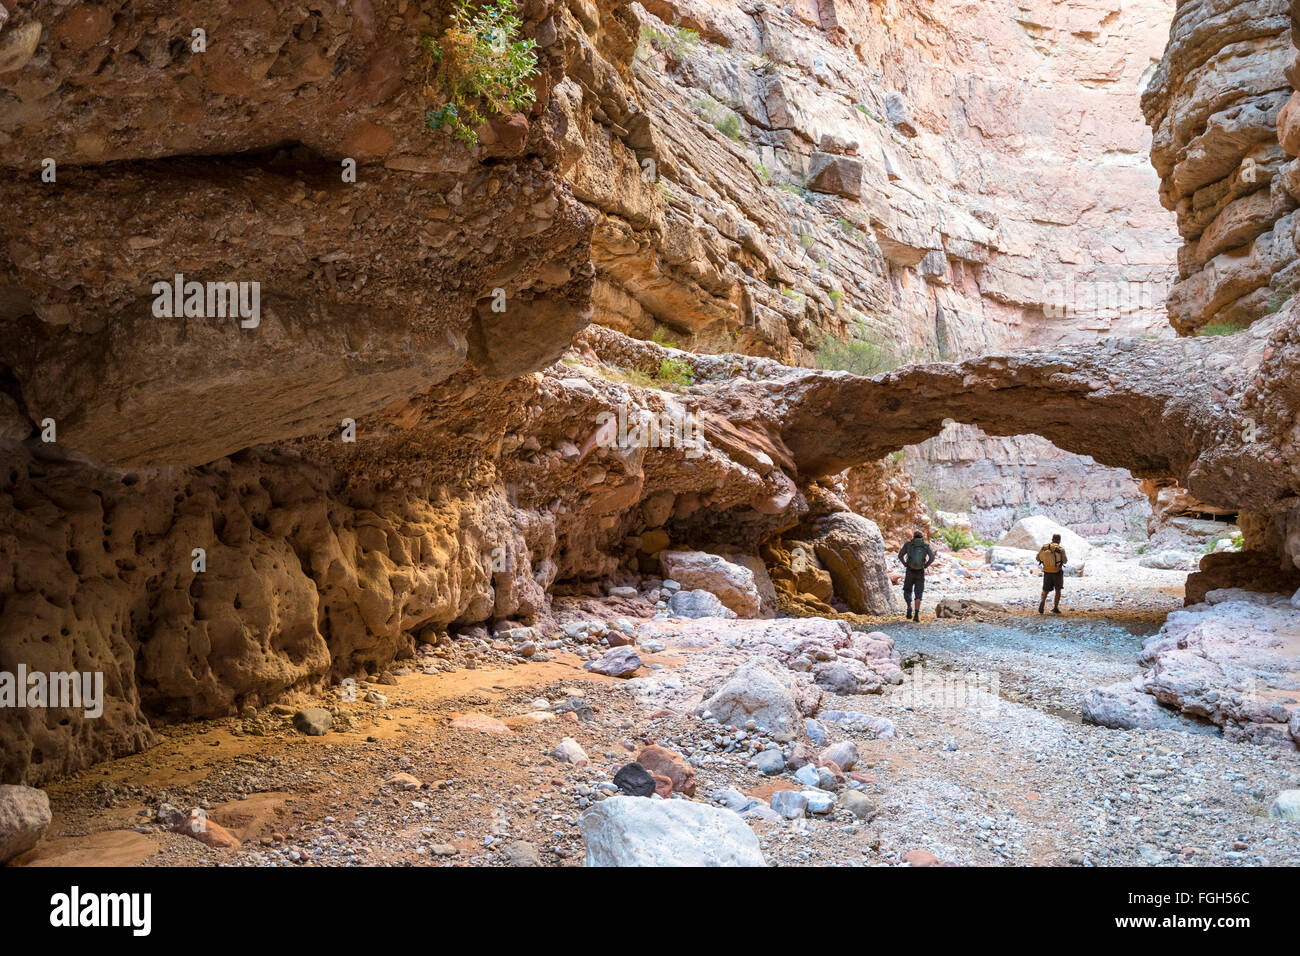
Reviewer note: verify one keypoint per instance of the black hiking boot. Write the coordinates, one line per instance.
(1056, 610)
(909, 612)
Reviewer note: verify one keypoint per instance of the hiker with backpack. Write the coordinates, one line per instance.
(1052, 558)
(916, 556)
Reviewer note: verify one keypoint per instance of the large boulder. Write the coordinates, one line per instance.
(1168, 560)
(662, 762)
(1020, 558)
(617, 662)
(1123, 706)
(1286, 806)
(24, 815)
(847, 676)
(760, 690)
(734, 584)
(1030, 534)
(697, 604)
(850, 547)
(633, 831)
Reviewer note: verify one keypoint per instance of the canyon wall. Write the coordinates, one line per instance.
(214, 514)
(935, 184)
(944, 183)
(1213, 106)
(1000, 480)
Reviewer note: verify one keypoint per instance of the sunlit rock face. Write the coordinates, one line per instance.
(940, 183)
(1000, 480)
(950, 180)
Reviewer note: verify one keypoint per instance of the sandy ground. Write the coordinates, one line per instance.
(1005, 775)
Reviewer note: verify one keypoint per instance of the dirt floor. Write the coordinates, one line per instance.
(1015, 778)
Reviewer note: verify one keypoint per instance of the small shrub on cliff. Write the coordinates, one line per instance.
(724, 120)
(482, 69)
(677, 41)
(676, 372)
(1218, 328)
(861, 354)
(661, 336)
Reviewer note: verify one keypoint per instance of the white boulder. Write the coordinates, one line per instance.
(1030, 534)
(634, 831)
(733, 584)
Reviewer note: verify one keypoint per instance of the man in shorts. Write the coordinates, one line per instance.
(1052, 558)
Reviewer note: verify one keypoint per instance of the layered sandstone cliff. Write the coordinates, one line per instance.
(1213, 105)
(873, 172)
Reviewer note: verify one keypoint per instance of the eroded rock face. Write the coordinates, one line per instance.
(1228, 662)
(198, 525)
(368, 291)
(1213, 105)
(816, 168)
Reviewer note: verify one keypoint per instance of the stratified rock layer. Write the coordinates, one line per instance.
(1213, 105)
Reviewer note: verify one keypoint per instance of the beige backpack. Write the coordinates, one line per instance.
(1050, 555)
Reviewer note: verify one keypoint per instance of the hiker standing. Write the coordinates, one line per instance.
(1052, 558)
(916, 556)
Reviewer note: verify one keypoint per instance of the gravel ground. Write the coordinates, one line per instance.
(1001, 773)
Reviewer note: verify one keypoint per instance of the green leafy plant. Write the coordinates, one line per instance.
(1237, 541)
(676, 372)
(860, 353)
(677, 41)
(660, 336)
(724, 120)
(477, 69)
(850, 229)
(836, 296)
(957, 538)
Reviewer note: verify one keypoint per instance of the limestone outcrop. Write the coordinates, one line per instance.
(1228, 662)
